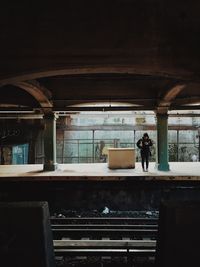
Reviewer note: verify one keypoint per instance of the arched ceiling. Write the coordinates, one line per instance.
(142, 52)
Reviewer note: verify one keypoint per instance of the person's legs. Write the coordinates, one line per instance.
(143, 159)
(147, 161)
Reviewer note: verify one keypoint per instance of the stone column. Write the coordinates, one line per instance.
(50, 142)
(162, 142)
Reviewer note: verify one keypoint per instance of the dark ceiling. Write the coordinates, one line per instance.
(55, 55)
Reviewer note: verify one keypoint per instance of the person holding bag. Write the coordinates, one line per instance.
(144, 145)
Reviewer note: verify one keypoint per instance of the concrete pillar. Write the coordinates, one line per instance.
(162, 142)
(50, 142)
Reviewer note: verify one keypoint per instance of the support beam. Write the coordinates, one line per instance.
(131, 69)
(40, 93)
(50, 142)
(162, 126)
(171, 94)
(162, 142)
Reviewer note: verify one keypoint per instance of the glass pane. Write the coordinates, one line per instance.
(78, 135)
(187, 152)
(59, 148)
(172, 136)
(85, 150)
(71, 149)
(173, 152)
(187, 136)
(115, 138)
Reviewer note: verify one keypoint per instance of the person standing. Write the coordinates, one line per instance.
(144, 145)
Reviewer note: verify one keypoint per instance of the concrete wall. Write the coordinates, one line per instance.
(88, 197)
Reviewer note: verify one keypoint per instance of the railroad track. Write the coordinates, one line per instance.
(98, 233)
(105, 220)
(105, 247)
(113, 236)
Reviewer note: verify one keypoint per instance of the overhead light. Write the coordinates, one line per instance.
(192, 104)
(106, 104)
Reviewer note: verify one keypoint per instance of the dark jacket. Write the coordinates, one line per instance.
(144, 145)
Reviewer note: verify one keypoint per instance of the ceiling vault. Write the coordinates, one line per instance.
(170, 95)
(40, 93)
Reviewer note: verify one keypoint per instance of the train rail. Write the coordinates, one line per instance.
(105, 247)
(104, 220)
(100, 233)
(105, 236)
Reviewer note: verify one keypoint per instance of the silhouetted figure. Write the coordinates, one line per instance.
(144, 145)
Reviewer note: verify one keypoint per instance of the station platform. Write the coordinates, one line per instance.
(183, 171)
